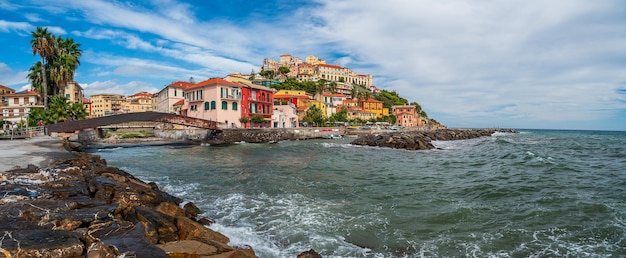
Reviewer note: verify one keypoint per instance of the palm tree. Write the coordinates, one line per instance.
(64, 63)
(332, 86)
(35, 76)
(42, 44)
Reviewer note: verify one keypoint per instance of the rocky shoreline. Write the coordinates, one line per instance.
(422, 140)
(80, 207)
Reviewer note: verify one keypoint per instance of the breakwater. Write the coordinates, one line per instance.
(81, 207)
(422, 140)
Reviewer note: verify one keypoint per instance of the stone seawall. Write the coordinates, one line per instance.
(269, 135)
(422, 140)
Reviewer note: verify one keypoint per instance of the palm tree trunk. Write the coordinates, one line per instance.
(45, 84)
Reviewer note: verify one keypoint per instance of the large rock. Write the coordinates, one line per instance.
(421, 140)
(81, 207)
(191, 230)
(42, 243)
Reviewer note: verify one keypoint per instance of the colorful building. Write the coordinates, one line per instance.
(106, 104)
(297, 97)
(257, 100)
(285, 116)
(138, 102)
(407, 116)
(74, 92)
(215, 99)
(87, 105)
(17, 106)
(169, 95)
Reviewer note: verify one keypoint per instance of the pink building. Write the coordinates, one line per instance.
(216, 100)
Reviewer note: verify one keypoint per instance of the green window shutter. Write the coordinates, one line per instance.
(224, 105)
(234, 105)
(206, 105)
(213, 105)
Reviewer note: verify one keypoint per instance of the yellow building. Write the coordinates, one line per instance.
(374, 106)
(106, 104)
(138, 102)
(74, 92)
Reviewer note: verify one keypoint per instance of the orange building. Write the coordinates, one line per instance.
(406, 116)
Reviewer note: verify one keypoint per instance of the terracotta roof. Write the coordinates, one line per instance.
(180, 102)
(373, 100)
(180, 84)
(330, 66)
(302, 108)
(214, 81)
(292, 96)
(333, 95)
(86, 101)
(142, 93)
(5, 87)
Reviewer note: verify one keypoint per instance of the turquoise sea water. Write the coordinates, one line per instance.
(535, 194)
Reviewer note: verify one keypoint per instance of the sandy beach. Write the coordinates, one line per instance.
(38, 151)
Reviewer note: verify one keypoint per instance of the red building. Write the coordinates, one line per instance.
(257, 100)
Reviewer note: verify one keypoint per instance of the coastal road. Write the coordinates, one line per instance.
(39, 151)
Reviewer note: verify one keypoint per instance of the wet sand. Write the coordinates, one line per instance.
(39, 151)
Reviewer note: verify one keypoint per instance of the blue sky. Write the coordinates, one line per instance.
(557, 64)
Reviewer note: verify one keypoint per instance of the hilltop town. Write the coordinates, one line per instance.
(286, 93)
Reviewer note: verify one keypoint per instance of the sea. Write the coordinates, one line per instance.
(537, 193)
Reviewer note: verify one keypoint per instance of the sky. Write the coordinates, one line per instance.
(558, 64)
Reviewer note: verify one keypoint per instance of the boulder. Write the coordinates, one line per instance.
(42, 243)
(191, 230)
(188, 248)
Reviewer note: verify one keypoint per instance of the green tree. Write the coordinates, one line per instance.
(64, 62)
(267, 74)
(257, 119)
(314, 115)
(283, 70)
(42, 43)
(60, 57)
(244, 121)
(332, 87)
(423, 114)
(77, 111)
(59, 110)
(340, 116)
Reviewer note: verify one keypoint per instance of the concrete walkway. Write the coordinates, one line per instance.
(39, 151)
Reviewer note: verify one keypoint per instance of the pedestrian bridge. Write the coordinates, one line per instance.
(111, 121)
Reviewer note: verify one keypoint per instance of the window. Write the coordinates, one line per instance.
(223, 92)
(67, 96)
(213, 105)
(174, 92)
(253, 95)
(234, 105)
(224, 105)
(200, 91)
(206, 106)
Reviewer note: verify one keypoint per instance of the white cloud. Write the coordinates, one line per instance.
(7, 26)
(10, 78)
(114, 87)
(534, 60)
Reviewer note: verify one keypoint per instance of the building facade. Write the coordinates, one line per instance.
(106, 104)
(215, 99)
(74, 92)
(169, 95)
(406, 116)
(17, 106)
(257, 100)
(285, 116)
